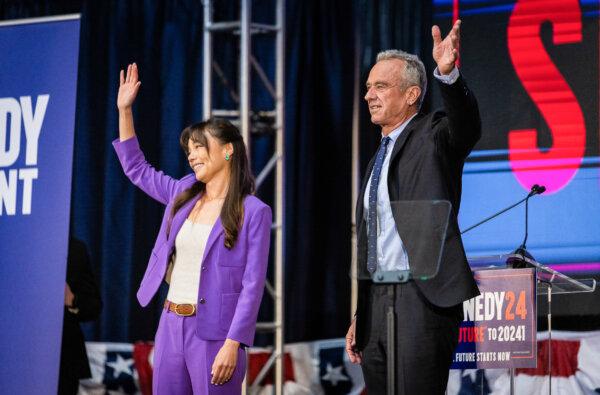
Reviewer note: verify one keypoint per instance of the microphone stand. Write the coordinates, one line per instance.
(517, 263)
(496, 214)
(522, 250)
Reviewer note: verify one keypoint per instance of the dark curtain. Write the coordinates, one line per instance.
(320, 67)
(119, 223)
(391, 24)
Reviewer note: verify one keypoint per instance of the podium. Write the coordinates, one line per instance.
(547, 282)
(422, 227)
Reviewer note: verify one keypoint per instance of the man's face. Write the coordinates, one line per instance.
(387, 99)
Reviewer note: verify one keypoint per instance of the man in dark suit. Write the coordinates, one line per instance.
(420, 158)
(82, 303)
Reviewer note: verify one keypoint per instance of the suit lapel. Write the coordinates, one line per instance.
(360, 222)
(181, 216)
(400, 142)
(403, 138)
(215, 232)
(361, 195)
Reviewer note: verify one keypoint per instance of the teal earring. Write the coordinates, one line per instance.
(226, 156)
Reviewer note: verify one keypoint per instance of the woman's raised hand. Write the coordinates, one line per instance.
(129, 86)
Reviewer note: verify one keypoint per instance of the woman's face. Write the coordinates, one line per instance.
(207, 163)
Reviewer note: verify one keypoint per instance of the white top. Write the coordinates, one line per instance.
(185, 278)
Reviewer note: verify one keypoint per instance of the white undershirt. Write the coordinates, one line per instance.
(185, 278)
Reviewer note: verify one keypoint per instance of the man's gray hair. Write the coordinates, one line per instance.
(414, 70)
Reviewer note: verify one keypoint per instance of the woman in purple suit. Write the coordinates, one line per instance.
(212, 248)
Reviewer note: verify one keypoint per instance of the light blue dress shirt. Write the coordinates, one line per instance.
(391, 253)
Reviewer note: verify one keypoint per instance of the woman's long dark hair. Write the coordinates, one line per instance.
(241, 183)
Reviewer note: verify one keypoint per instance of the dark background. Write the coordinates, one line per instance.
(118, 223)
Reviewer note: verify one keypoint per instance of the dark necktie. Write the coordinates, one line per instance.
(372, 225)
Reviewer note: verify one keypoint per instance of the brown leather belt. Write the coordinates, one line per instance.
(183, 309)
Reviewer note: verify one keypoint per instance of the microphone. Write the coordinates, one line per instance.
(537, 190)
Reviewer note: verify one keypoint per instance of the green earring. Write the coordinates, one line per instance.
(226, 156)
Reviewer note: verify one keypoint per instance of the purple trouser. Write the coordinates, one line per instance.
(182, 361)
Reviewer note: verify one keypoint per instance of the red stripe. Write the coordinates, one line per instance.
(258, 359)
(564, 359)
(141, 357)
(455, 9)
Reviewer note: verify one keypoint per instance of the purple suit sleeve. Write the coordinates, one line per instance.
(243, 324)
(155, 183)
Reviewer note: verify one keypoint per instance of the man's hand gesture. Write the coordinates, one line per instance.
(445, 52)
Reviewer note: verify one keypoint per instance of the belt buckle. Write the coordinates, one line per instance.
(184, 305)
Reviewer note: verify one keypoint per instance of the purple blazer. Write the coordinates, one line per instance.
(232, 281)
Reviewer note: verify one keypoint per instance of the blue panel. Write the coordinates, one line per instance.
(39, 62)
(563, 227)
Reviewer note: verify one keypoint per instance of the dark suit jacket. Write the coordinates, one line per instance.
(426, 165)
(73, 359)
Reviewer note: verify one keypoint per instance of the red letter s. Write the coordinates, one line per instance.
(549, 91)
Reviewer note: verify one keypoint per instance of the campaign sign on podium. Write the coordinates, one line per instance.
(499, 326)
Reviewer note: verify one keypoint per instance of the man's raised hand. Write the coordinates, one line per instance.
(445, 52)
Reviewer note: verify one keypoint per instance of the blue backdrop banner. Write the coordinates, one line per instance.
(38, 80)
